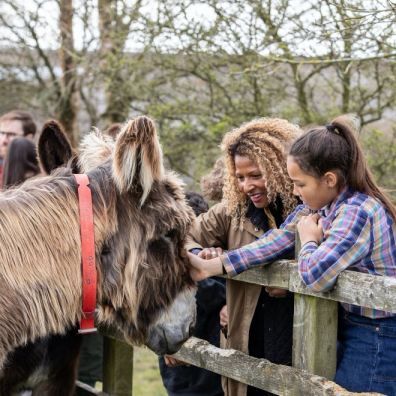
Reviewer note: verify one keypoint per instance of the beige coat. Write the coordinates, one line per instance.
(214, 228)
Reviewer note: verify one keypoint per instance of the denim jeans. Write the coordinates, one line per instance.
(367, 354)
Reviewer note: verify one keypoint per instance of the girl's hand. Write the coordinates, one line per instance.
(201, 269)
(310, 229)
(209, 253)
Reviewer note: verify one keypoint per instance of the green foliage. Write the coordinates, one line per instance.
(146, 377)
(380, 150)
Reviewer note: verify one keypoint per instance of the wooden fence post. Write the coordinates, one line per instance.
(117, 367)
(315, 333)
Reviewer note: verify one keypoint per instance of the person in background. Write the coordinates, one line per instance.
(182, 380)
(257, 196)
(212, 183)
(346, 222)
(197, 202)
(13, 124)
(20, 162)
(113, 130)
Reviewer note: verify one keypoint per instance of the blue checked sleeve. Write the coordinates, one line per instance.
(345, 243)
(273, 245)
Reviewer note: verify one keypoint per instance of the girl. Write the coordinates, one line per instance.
(258, 195)
(346, 221)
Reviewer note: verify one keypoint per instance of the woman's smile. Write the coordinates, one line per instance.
(256, 197)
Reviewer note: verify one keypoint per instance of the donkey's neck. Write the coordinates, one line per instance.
(39, 261)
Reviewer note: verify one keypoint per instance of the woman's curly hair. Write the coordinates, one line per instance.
(265, 141)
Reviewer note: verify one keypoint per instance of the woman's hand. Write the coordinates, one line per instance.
(209, 253)
(201, 269)
(310, 229)
(223, 316)
(172, 362)
(276, 292)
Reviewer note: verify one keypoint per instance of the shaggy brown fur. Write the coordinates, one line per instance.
(141, 220)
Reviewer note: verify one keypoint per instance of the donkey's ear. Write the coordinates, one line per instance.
(138, 157)
(54, 148)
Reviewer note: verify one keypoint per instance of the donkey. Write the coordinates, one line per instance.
(141, 220)
(49, 365)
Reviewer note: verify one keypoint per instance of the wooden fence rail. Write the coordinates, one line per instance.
(314, 336)
(261, 373)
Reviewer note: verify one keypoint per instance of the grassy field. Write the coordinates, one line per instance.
(146, 378)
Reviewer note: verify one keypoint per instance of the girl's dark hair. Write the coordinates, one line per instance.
(21, 158)
(335, 148)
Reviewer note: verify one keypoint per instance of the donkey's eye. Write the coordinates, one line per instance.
(105, 250)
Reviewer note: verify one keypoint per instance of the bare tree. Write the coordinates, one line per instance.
(67, 110)
(201, 67)
(116, 21)
(26, 30)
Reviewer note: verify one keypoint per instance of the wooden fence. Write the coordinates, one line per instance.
(314, 337)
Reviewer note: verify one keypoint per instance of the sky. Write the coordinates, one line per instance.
(199, 12)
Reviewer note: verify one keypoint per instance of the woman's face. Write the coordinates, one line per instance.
(251, 180)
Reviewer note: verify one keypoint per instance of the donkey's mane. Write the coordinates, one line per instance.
(95, 149)
(48, 206)
(40, 207)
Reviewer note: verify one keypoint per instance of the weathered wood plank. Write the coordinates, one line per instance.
(117, 367)
(276, 274)
(352, 287)
(315, 335)
(278, 379)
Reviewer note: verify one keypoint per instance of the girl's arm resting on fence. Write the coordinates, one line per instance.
(346, 243)
(274, 244)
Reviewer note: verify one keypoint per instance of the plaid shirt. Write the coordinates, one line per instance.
(359, 235)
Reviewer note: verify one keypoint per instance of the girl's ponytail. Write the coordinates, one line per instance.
(335, 147)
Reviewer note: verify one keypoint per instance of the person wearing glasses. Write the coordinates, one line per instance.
(13, 124)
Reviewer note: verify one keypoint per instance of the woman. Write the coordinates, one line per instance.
(257, 196)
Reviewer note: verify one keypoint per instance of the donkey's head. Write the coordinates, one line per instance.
(141, 221)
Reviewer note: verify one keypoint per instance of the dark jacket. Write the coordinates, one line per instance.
(191, 380)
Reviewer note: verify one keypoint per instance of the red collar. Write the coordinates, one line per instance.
(87, 324)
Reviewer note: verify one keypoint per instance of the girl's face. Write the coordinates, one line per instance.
(251, 180)
(314, 192)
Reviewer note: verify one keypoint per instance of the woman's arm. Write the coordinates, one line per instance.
(210, 229)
